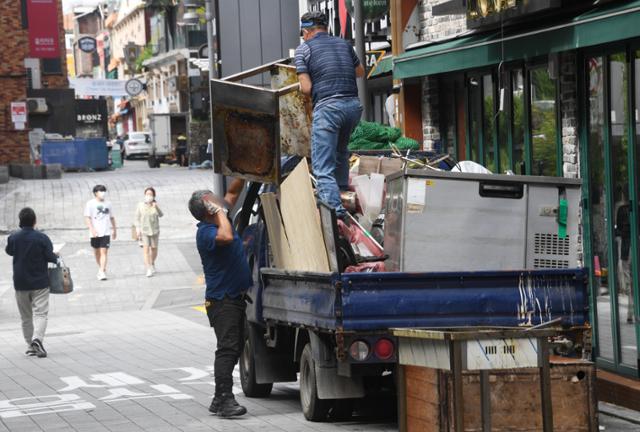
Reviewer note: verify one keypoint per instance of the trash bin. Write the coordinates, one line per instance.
(77, 154)
(116, 158)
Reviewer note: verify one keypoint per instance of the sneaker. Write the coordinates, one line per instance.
(228, 407)
(101, 275)
(153, 269)
(30, 351)
(149, 272)
(38, 348)
(215, 405)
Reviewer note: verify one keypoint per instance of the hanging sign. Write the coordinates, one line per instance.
(87, 44)
(44, 40)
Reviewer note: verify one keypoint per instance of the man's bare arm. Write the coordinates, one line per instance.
(233, 192)
(359, 71)
(305, 83)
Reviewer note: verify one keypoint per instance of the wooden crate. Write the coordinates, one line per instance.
(426, 403)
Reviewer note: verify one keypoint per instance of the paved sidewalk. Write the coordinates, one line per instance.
(133, 371)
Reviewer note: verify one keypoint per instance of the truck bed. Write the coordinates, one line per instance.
(377, 301)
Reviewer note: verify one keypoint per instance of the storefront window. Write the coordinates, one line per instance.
(475, 116)
(517, 115)
(543, 123)
(598, 204)
(448, 115)
(488, 123)
(618, 81)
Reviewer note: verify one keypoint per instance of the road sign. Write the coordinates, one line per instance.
(134, 87)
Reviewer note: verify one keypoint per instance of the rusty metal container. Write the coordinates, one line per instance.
(254, 126)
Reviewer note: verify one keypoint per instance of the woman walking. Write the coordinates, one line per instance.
(147, 223)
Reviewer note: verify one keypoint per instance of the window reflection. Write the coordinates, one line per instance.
(517, 115)
(543, 123)
(488, 123)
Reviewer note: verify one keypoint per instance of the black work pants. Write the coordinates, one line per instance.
(227, 318)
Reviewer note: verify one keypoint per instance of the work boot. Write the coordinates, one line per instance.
(229, 407)
(215, 404)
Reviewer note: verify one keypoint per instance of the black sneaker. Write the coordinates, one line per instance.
(228, 407)
(30, 352)
(38, 348)
(215, 404)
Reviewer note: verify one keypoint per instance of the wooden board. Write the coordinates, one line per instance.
(301, 221)
(280, 248)
(515, 399)
(382, 165)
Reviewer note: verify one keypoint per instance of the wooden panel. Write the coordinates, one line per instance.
(279, 244)
(302, 222)
(382, 165)
(515, 399)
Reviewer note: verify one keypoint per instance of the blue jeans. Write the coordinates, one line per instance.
(332, 125)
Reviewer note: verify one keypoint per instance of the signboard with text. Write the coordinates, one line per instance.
(19, 114)
(44, 40)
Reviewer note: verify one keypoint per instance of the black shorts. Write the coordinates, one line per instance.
(101, 242)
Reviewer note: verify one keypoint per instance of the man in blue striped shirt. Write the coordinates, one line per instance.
(327, 68)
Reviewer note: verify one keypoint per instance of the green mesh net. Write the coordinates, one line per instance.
(376, 136)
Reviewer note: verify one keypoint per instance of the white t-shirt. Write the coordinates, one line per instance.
(100, 213)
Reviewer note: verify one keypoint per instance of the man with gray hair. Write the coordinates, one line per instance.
(227, 277)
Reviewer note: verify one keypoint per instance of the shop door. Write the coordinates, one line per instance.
(612, 222)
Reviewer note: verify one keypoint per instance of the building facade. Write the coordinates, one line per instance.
(546, 88)
(20, 72)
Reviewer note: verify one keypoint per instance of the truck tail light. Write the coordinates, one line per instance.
(384, 349)
(359, 350)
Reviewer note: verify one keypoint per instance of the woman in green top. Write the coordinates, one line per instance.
(147, 223)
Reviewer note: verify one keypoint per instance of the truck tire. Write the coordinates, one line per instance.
(341, 410)
(248, 372)
(313, 408)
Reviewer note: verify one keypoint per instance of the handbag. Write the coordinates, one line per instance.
(60, 281)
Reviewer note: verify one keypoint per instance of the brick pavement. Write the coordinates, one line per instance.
(112, 335)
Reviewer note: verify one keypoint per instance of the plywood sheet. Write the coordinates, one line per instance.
(301, 221)
(280, 248)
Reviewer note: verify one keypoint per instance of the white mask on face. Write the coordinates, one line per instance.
(148, 199)
(101, 194)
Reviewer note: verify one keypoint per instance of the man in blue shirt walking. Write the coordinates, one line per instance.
(31, 251)
(327, 68)
(227, 277)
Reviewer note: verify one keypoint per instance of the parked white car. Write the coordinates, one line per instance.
(137, 144)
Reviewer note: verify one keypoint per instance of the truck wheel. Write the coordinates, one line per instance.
(313, 408)
(248, 373)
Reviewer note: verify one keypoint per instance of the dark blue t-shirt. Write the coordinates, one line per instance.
(331, 63)
(31, 251)
(226, 270)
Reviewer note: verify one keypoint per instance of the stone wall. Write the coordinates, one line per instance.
(199, 133)
(434, 28)
(569, 110)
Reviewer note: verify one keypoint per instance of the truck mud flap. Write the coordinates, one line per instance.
(330, 385)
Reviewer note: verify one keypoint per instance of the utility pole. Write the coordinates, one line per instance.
(363, 94)
(218, 180)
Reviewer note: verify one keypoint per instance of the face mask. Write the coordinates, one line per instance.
(148, 199)
(101, 194)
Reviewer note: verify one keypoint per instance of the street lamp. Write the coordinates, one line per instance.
(191, 17)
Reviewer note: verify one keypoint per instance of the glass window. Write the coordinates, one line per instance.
(517, 120)
(448, 119)
(488, 123)
(543, 123)
(619, 115)
(598, 204)
(475, 116)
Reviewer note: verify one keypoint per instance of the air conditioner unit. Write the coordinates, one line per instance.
(37, 106)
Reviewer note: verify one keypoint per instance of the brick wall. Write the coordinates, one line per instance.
(14, 145)
(434, 28)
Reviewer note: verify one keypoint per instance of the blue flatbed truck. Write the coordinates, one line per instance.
(331, 330)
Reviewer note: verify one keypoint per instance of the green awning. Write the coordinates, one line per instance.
(601, 25)
(384, 66)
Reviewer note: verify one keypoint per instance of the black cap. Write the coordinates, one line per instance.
(313, 19)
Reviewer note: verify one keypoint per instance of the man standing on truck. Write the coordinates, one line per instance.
(327, 68)
(228, 277)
